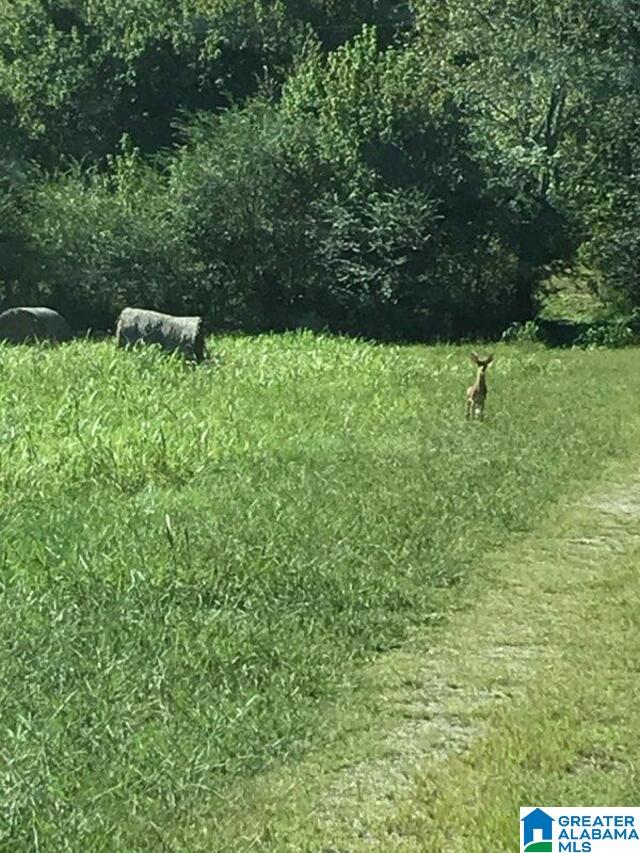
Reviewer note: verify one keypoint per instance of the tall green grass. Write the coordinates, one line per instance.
(193, 562)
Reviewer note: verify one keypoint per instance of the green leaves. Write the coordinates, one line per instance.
(439, 156)
(78, 75)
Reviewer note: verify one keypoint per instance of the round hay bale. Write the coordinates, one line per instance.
(19, 325)
(174, 334)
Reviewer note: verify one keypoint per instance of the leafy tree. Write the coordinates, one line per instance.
(549, 88)
(523, 70)
(241, 199)
(404, 176)
(408, 169)
(357, 199)
(78, 74)
(106, 240)
(14, 200)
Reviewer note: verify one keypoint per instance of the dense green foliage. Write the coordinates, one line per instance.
(76, 75)
(404, 170)
(193, 560)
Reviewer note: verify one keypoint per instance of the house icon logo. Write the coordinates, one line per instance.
(537, 835)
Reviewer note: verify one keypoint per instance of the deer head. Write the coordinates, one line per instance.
(482, 363)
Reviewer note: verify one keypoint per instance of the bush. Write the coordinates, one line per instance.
(621, 332)
(106, 241)
(351, 200)
(15, 192)
(527, 332)
(411, 242)
(614, 334)
(241, 198)
(358, 199)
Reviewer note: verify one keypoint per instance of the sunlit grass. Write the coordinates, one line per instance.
(193, 562)
(571, 297)
(573, 738)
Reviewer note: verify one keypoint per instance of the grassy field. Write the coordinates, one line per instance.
(525, 695)
(195, 564)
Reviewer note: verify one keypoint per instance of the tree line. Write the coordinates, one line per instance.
(401, 170)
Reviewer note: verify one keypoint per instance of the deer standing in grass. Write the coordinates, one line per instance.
(477, 393)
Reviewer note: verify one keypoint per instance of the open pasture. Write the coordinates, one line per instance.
(194, 562)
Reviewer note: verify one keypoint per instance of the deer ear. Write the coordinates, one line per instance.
(475, 358)
(489, 359)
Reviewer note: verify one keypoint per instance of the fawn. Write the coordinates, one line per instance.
(477, 393)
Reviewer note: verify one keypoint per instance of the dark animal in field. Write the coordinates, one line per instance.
(477, 393)
(173, 334)
(19, 325)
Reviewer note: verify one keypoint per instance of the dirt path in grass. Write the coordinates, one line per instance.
(546, 609)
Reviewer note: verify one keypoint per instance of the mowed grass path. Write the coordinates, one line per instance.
(195, 564)
(526, 696)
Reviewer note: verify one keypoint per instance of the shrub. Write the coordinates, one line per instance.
(527, 332)
(18, 178)
(241, 199)
(614, 334)
(105, 241)
(411, 241)
(358, 198)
